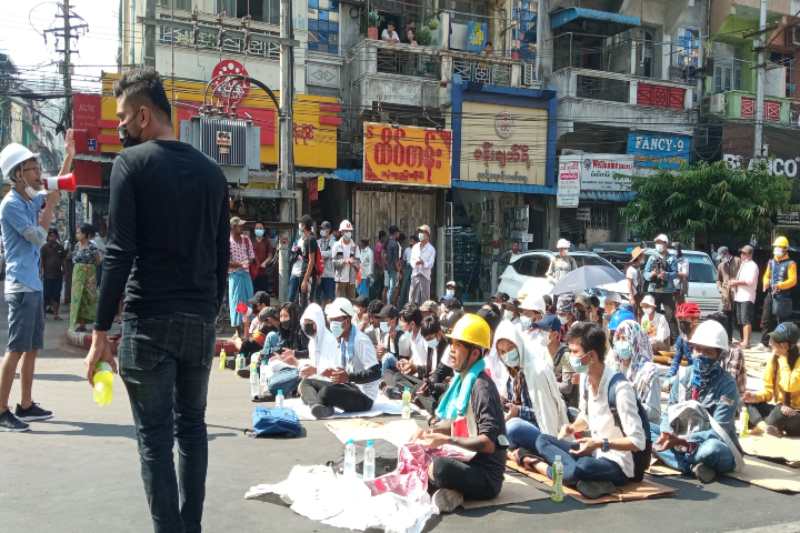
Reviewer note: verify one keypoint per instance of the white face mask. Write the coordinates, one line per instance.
(511, 358)
(337, 328)
(421, 236)
(526, 322)
(508, 315)
(661, 248)
(300, 228)
(450, 293)
(347, 235)
(777, 251)
(433, 343)
(324, 233)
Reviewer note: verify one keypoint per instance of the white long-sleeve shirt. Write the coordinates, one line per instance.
(366, 257)
(595, 410)
(658, 325)
(342, 273)
(427, 255)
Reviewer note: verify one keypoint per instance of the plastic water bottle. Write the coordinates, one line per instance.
(103, 384)
(254, 383)
(406, 403)
(369, 461)
(241, 362)
(745, 419)
(223, 359)
(557, 495)
(349, 459)
(263, 376)
(279, 398)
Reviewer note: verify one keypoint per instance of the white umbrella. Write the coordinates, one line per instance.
(620, 286)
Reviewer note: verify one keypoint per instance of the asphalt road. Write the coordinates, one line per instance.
(80, 473)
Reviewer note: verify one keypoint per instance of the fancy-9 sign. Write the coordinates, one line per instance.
(407, 155)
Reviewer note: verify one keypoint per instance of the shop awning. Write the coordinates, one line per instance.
(591, 21)
(607, 196)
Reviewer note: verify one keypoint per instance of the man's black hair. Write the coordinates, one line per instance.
(411, 313)
(307, 221)
(141, 86)
(88, 230)
(381, 235)
(393, 229)
(590, 336)
(430, 326)
(374, 307)
(491, 314)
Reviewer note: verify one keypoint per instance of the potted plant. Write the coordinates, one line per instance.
(373, 21)
(436, 34)
(424, 36)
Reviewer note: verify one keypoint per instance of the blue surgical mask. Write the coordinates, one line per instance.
(337, 328)
(511, 358)
(526, 322)
(577, 366)
(259, 232)
(703, 365)
(384, 327)
(433, 343)
(623, 349)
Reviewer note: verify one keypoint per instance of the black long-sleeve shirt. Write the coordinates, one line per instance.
(168, 234)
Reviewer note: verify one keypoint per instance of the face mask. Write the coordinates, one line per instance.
(623, 349)
(259, 233)
(650, 311)
(300, 228)
(286, 324)
(384, 327)
(525, 322)
(421, 236)
(450, 293)
(126, 139)
(347, 235)
(309, 329)
(703, 365)
(777, 252)
(661, 248)
(577, 366)
(511, 358)
(324, 233)
(508, 315)
(433, 343)
(337, 328)
(31, 192)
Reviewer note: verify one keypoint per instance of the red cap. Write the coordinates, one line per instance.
(688, 310)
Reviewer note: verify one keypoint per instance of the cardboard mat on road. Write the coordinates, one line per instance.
(643, 490)
(398, 432)
(769, 447)
(661, 470)
(515, 490)
(768, 475)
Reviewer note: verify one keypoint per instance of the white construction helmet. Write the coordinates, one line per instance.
(533, 302)
(338, 308)
(12, 155)
(662, 238)
(710, 334)
(563, 244)
(346, 225)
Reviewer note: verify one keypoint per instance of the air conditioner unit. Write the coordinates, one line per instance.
(717, 103)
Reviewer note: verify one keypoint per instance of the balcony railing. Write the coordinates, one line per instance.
(406, 59)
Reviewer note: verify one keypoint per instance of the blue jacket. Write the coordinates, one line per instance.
(23, 238)
(682, 351)
(670, 267)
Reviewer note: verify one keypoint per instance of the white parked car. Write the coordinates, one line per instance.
(529, 269)
(702, 280)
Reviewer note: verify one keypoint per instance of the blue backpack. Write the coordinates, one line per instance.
(276, 422)
(641, 458)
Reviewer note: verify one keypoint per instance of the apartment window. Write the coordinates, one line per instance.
(323, 26)
(728, 76)
(464, 11)
(268, 11)
(177, 4)
(686, 53)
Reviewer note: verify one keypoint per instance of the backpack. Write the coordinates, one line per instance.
(275, 422)
(641, 458)
(320, 266)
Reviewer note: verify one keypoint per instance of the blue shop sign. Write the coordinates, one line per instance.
(659, 150)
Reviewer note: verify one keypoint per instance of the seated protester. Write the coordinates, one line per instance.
(688, 316)
(634, 358)
(438, 378)
(410, 322)
(264, 326)
(259, 301)
(534, 404)
(388, 349)
(654, 324)
(373, 329)
(532, 309)
(429, 308)
(352, 383)
(618, 317)
(781, 386)
(361, 321)
(706, 453)
(566, 378)
(469, 415)
(293, 341)
(595, 311)
(611, 304)
(582, 305)
(494, 366)
(565, 310)
(282, 372)
(605, 458)
(511, 311)
(453, 311)
(449, 292)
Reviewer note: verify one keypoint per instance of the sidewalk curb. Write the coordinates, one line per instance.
(84, 340)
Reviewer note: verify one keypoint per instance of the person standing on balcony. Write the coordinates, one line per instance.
(389, 34)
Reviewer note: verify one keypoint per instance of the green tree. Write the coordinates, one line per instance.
(707, 199)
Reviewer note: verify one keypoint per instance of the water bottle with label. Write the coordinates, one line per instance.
(406, 412)
(745, 421)
(279, 398)
(223, 359)
(557, 495)
(263, 376)
(254, 382)
(349, 467)
(369, 461)
(103, 380)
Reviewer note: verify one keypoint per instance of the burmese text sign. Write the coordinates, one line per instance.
(407, 155)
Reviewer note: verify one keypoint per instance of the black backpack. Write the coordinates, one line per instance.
(641, 458)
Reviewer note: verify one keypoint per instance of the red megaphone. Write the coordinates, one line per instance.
(67, 183)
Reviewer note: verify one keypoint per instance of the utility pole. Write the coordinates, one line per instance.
(286, 163)
(758, 136)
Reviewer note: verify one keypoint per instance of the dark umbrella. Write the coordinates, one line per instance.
(587, 277)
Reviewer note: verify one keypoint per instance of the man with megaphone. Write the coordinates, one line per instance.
(26, 213)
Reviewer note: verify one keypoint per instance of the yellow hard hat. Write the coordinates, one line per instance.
(472, 329)
(781, 242)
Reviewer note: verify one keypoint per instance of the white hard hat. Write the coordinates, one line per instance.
(346, 225)
(710, 334)
(12, 155)
(662, 238)
(533, 302)
(563, 243)
(648, 301)
(338, 308)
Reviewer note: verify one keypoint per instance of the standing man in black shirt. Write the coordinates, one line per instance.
(167, 252)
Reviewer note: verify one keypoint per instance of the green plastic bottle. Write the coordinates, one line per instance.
(557, 495)
(406, 411)
(103, 384)
(223, 359)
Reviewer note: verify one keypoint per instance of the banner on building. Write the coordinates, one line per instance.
(407, 155)
(783, 147)
(569, 181)
(659, 151)
(606, 172)
(503, 145)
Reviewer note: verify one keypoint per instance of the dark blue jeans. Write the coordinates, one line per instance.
(576, 469)
(165, 363)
